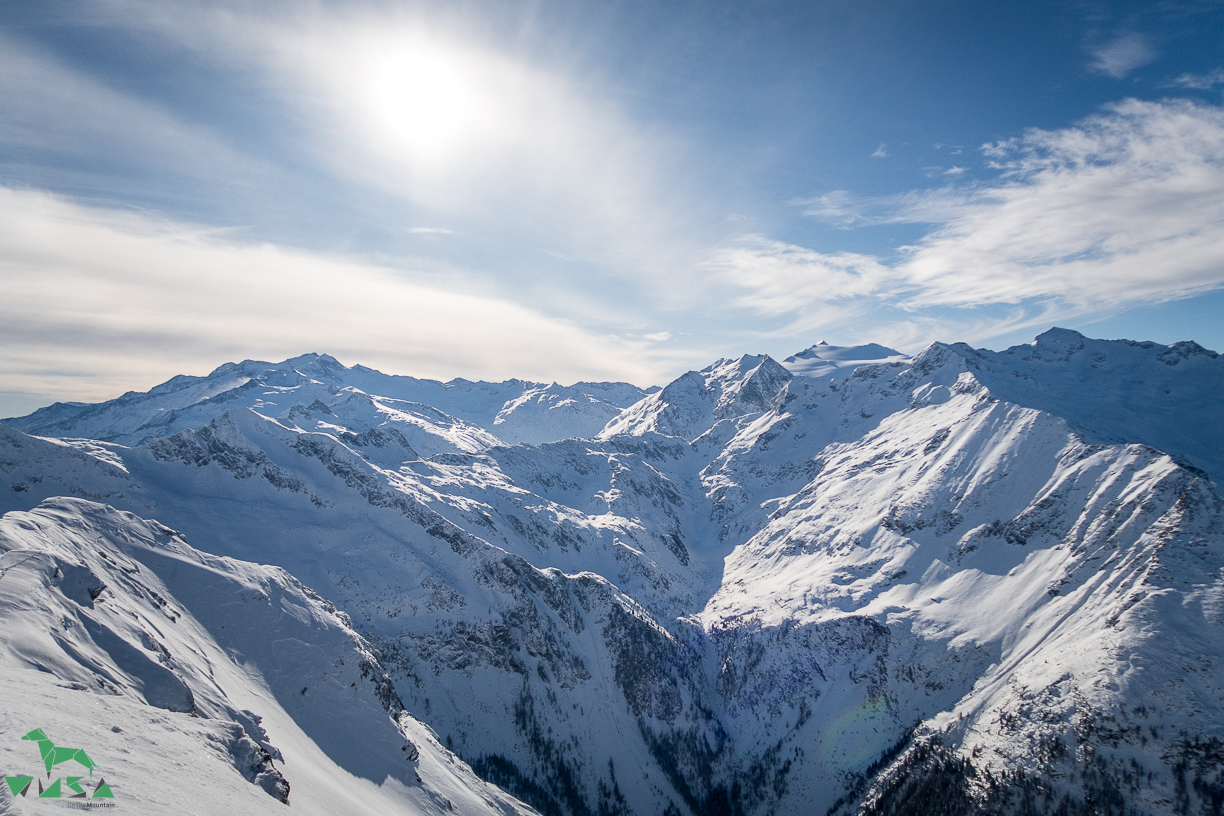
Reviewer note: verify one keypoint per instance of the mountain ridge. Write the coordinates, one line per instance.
(517, 410)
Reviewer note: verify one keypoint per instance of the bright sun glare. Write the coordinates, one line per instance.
(428, 100)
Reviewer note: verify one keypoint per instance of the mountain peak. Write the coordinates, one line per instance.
(314, 358)
(1059, 340)
(1057, 334)
(695, 401)
(824, 360)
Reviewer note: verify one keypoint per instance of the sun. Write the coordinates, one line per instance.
(426, 100)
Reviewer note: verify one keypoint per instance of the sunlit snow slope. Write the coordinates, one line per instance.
(200, 684)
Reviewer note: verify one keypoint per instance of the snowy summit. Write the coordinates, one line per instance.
(823, 360)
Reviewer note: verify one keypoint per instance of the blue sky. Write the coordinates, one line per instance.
(613, 190)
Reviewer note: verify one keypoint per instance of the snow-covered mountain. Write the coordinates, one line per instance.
(823, 360)
(202, 684)
(693, 404)
(458, 415)
(976, 580)
(1116, 391)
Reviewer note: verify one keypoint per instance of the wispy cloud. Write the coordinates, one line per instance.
(1200, 82)
(429, 231)
(1126, 207)
(839, 208)
(75, 122)
(843, 209)
(881, 152)
(1121, 55)
(97, 300)
(782, 276)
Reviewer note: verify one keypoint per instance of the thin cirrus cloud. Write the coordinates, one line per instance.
(780, 276)
(97, 299)
(1208, 81)
(55, 111)
(1124, 208)
(1121, 55)
(841, 209)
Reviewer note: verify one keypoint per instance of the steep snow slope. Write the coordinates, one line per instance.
(201, 684)
(781, 594)
(700, 400)
(1059, 602)
(459, 415)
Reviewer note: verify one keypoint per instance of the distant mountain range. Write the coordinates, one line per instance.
(850, 582)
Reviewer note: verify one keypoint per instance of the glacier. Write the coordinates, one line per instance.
(850, 582)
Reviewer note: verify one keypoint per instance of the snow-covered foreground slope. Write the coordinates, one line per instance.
(899, 590)
(200, 684)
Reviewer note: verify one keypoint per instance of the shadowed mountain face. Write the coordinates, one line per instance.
(984, 579)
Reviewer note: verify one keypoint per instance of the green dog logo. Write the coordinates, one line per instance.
(53, 755)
